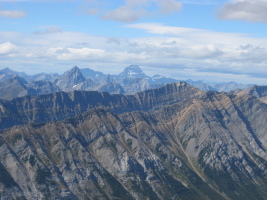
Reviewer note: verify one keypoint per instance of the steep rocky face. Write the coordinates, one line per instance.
(134, 85)
(133, 71)
(256, 91)
(70, 79)
(89, 73)
(7, 73)
(111, 87)
(61, 105)
(87, 85)
(42, 87)
(44, 77)
(93, 156)
(19, 87)
(13, 87)
(212, 146)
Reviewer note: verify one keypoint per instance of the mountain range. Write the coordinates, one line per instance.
(61, 137)
(131, 80)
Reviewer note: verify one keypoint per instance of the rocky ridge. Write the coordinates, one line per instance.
(174, 142)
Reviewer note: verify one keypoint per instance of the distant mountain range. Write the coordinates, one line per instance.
(131, 80)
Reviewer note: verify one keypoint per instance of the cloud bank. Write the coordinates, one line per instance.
(245, 10)
(176, 52)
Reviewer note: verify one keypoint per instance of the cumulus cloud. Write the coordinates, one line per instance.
(7, 47)
(246, 10)
(12, 14)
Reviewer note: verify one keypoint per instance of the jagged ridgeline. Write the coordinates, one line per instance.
(174, 142)
(131, 80)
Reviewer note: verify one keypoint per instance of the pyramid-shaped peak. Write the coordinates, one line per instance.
(75, 68)
(135, 67)
(7, 71)
(133, 71)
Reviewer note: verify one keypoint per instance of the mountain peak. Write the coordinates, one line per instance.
(89, 73)
(7, 71)
(70, 78)
(133, 71)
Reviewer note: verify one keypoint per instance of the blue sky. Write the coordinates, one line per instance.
(212, 40)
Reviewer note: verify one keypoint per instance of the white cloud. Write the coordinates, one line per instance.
(134, 10)
(76, 53)
(48, 30)
(125, 14)
(12, 13)
(7, 47)
(169, 6)
(173, 51)
(246, 10)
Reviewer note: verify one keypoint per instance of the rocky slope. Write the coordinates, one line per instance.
(19, 87)
(256, 91)
(61, 105)
(70, 79)
(177, 143)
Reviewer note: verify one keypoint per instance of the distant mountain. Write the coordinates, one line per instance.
(87, 85)
(19, 87)
(134, 85)
(42, 87)
(7, 73)
(70, 79)
(45, 77)
(89, 73)
(201, 85)
(13, 87)
(133, 71)
(227, 87)
(156, 79)
(131, 80)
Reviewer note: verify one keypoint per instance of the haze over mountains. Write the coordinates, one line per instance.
(130, 81)
(170, 142)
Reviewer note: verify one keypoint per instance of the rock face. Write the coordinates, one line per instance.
(70, 79)
(42, 87)
(89, 73)
(174, 142)
(133, 71)
(257, 91)
(13, 87)
(19, 87)
(7, 73)
(61, 105)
